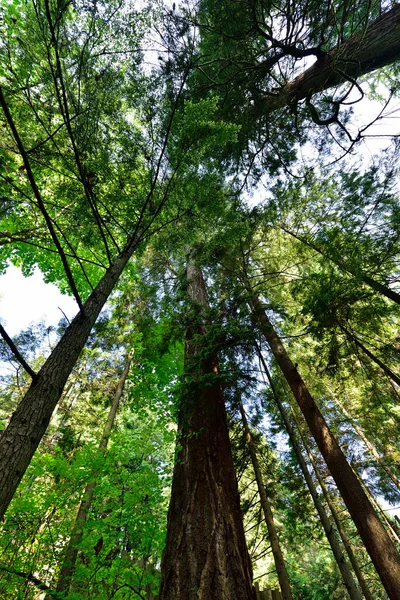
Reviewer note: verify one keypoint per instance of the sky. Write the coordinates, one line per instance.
(27, 300)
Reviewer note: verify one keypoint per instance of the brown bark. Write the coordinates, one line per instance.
(330, 533)
(340, 528)
(372, 283)
(71, 552)
(377, 541)
(29, 422)
(268, 515)
(205, 555)
(374, 47)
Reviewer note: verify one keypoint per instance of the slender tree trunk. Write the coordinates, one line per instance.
(375, 285)
(205, 555)
(20, 439)
(372, 356)
(71, 552)
(64, 397)
(330, 533)
(342, 533)
(375, 46)
(266, 508)
(370, 446)
(376, 539)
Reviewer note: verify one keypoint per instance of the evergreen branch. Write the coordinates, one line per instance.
(39, 199)
(61, 93)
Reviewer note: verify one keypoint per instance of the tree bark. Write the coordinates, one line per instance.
(375, 46)
(342, 533)
(266, 508)
(330, 533)
(372, 283)
(29, 422)
(377, 541)
(205, 555)
(71, 552)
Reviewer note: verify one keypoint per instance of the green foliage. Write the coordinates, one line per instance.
(123, 150)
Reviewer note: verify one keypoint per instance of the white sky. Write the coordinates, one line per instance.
(26, 300)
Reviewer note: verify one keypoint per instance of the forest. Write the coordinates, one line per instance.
(215, 184)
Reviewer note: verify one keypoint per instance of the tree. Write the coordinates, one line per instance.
(31, 419)
(105, 160)
(371, 529)
(205, 551)
(71, 552)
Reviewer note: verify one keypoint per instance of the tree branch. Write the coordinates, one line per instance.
(16, 352)
(376, 46)
(31, 578)
(39, 199)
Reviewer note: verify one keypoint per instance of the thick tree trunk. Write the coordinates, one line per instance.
(377, 541)
(330, 533)
(71, 552)
(205, 555)
(20, 439)
(268, 515)
(375, 46)
(342, 533)
(372, 283)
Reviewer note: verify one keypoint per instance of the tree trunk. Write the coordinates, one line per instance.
(205, 555)
(330, 533)
(377, 541)
(372, 356)
(372, 283)
(375, 46)
(71, 552)
(29, 422)
(342, 533)
(268, 516)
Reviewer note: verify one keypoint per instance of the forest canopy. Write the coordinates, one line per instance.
(215, 184)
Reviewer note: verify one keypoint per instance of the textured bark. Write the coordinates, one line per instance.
(71, 552)
(340, 528)
(330, 533)
(372, 283)
(29, 422)
(375, 46)
(205, 555)
(268, 515)
(377, 541)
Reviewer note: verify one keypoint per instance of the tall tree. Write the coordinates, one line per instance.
(383, 553)
(268, 515)
(205, 553)
(327, 525)
(71, 552)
